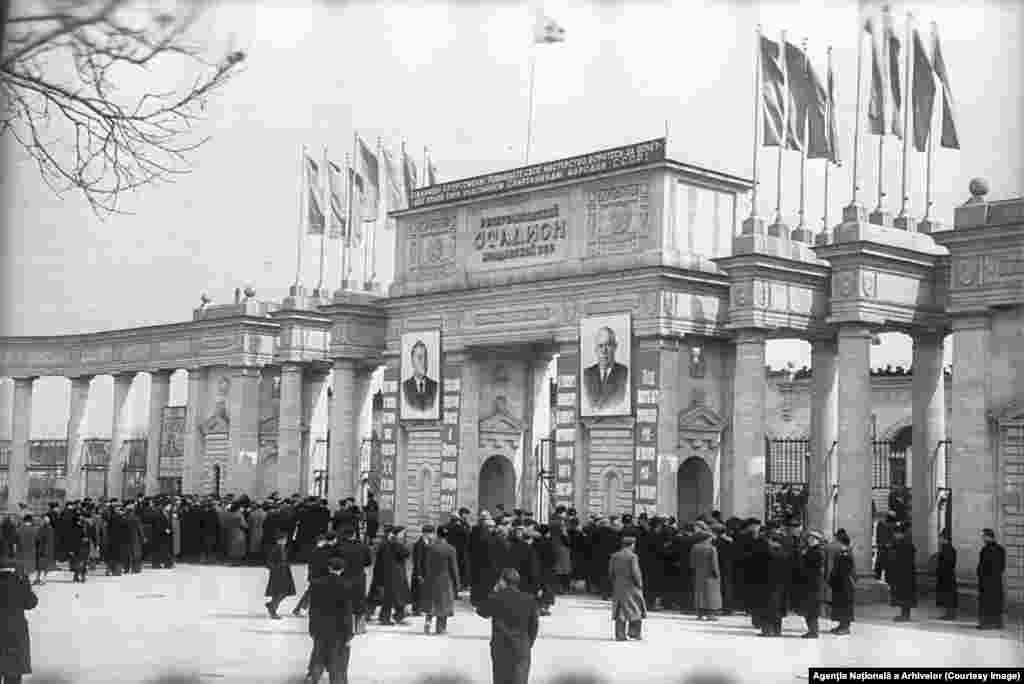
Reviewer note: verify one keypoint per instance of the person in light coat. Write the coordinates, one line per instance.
(627, 584)
(707, 585)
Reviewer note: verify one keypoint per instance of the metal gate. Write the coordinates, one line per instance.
(544, 454)
(890, 492)
(785, 478)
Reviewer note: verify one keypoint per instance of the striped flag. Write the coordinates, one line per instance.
(339, 210)
(368, 173)
(922, 95)
(896, 123)
(314, 214)
(355, 235)
(547, 30)
(395, 186)
(950, 138)
(773, 90)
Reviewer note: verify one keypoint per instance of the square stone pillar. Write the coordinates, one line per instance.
(6, 402)
(192, 468)
(77, 402)
(287, 473)
(824, 435)
(21, 433)
(540, 420)
(469, 435)
(122, 386)
(312, 388)
(973, 472)
(159, 396)
(351, 382)
(853, 508)
(244, 430)
(929, 430)
(748, 427)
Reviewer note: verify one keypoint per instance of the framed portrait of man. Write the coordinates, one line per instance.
(421, 375)
(605, 353)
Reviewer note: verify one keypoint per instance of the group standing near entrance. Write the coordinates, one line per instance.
(511, 566)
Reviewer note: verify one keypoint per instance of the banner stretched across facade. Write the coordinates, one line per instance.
(388, 445)
(573, 168)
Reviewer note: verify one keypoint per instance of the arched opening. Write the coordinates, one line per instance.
(695, 488)
(610, 487)
(497, 484)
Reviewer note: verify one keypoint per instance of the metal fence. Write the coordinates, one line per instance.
(787, 462)
(544, 455)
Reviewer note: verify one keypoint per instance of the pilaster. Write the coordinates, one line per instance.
(350, 386)
(77, 403)
(287, 478)
(973, 464)
(671, 399)
(312, 389)
(822, 473)
(855, 454)
(122, 386)
(243, 429)
(929, 430)
(748, 426)
(21, 433)
(469, 435)
(159, 396)
(193, 466)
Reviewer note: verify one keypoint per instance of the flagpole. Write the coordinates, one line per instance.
(352, 226)
(785, 133)
(381, 204)
(828, 162)
(803, 157)
(325, 194)
(529, 120)
(758, 105)
(907, 102)
(346, 236)
(879, 213)
(855, 212)
(302, 195)
(930, 153)
(424, 181)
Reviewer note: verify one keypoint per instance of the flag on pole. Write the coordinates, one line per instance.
(923, 94)
(950, 138)
(339, 211)
(808, 105)
(878, 98)
(409, 174)
(833, 128)
(895, 83)
(368, 175)
(431, 172)
(314, 215)
(773, 90)
(396, 188)
(355, 235)
(547, 30)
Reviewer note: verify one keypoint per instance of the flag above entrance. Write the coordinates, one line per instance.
(526, 177)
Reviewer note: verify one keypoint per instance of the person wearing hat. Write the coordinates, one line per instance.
(392, 585)
(325, 549)
(419, 569)
(991, 594)
(628, 608)
(945, 577)
(767, 573)
(523, 557)
(280, 583)
(514, 627)
(330, 624)
(810, 582)
(545, 550)
(357, 556)
(901, 573)
(16, 596)
(440, 580)
(707, 585)
(883, 540)
(842, 584)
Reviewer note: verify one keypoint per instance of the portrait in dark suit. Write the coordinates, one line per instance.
(421, 358)
(605, 345)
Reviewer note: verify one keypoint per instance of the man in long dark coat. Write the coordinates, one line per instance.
(627, 583)
(419, 569)
(16, 596)
(514, 626)
(723, 543)
(767, 573)
(358, 557)
(486, 561)
(390, 577)
(901, 574)
(991, 594)
(810, 585)
(841, 583)
(458, 537)
(440, 580)
(523, 557)
(330, 625)
(651, 565)
(945, 577)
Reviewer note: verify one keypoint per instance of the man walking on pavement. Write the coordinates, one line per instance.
(514, 625)
(627, 592)
(440, 580)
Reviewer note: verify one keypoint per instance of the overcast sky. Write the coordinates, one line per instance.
(455, 76)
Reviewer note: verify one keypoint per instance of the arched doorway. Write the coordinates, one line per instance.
(497, 484)
(695, 487)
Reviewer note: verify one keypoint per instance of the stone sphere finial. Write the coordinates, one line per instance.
(978, 188)
(249, 292)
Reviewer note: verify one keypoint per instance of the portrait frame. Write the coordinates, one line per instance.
(613, 395)
(413, 404)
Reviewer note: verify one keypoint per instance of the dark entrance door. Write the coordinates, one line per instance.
(695, 487)
(497, 484)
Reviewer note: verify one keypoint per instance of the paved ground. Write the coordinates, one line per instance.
(210, 621)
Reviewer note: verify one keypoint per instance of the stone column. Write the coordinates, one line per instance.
(287, 476)
(21, 433)
(6, 401)
(193, 467)
(673, 386)
(528, 486)
(469, 436)
(312, 389)
(748, 426)
(972, 473)
(824, 433)
(854, 450)
(159, 396)
(350, 386)
(244, 429)
(77, 403)
(929, 429)
(122, 385)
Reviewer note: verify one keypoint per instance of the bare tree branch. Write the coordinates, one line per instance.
(59, 75)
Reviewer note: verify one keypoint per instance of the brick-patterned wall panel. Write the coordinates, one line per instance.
(423, 451)
(611, 450)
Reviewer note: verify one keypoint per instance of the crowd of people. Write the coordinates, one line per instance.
(707, 567)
